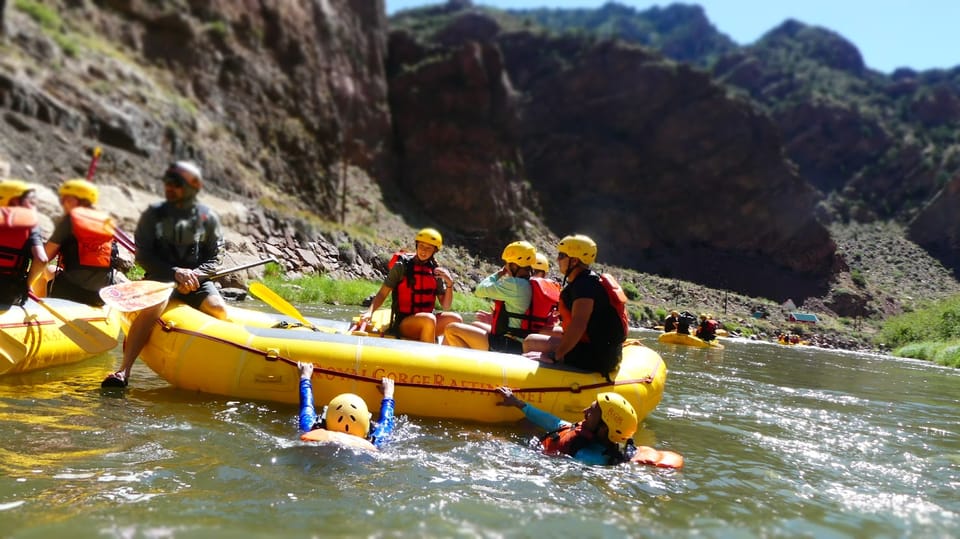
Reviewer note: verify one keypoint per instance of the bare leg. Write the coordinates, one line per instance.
(138, 336)
(214, 306)
(419, 327)
(446, 318)
(466, 336)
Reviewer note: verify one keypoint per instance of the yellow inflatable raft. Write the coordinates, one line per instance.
(33, 338)
(687, 340)
(244, 359)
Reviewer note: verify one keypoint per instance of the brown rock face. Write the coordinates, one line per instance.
(454, 120)
(936, 227)
(665, 171)
(268, 96)
(648, 157)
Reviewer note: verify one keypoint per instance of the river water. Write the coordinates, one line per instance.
(779, 442)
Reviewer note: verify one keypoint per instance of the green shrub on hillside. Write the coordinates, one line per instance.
(937, 322)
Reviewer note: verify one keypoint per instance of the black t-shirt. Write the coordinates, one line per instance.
(604, 326)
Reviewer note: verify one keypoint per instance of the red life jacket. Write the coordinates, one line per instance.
(618, 299)
(615, 297)
(567, 440)
(15, 226)
(543, 300)
(417, 292)
(93, 231)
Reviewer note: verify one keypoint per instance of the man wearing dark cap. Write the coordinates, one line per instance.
(177, 240)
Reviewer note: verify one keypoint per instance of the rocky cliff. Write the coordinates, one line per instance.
(715, 165)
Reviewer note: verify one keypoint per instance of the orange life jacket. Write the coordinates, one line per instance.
(95, 245)
(340, 438)
(567, 440)
(15, 226)
(543, 300)
(417, 292)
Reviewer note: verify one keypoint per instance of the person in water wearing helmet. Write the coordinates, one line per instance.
(177, 240)
(416, 282)
(511, 292)
(21, 245)
(604, 436)
(84, 240)
(593, 332)
(346, 420)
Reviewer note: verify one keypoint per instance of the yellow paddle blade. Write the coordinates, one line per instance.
(84, 334)
(281, 305)
(136, 295)
(12, 352)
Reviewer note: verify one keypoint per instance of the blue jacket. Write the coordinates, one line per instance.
(595, 453)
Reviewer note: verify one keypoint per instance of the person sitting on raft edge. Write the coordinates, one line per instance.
(346, 420)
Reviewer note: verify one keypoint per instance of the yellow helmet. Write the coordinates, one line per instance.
(10, 189)
(541, 263)
(80, 188)
(185, 171)
(521, 253)
(618, 415)
(430, 236)
(348, 413)
(579, 246)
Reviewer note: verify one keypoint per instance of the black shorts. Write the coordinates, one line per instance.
(195, 298)
(502, 343)
(64, 289)
(592, 357)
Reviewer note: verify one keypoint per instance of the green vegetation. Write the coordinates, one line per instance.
(50, 21)
(135, 273)
(931, 333)
(44, 15)
(324, 289)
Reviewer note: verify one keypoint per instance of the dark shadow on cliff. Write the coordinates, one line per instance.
(752, 276)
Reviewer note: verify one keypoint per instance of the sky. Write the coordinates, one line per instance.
(919, 34)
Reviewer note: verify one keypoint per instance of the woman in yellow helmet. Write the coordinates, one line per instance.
(21, 245)
(511, 292)
(416, 282)
(346, 420)
(84, 240)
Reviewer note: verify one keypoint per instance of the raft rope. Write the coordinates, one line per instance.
(270, 355)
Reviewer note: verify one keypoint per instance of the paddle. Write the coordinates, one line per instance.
(281, 305)
(81, 332)
(12, 352)
(138, 295)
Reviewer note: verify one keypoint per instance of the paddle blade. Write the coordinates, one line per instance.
(88, 336)
(136, 295)
(274, 300)
(12, 351)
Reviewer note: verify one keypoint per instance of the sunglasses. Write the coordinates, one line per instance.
(561, 256)
(174, 179)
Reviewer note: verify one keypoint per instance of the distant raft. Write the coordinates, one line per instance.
(249, 358)
(687, 340)
(32, 338)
